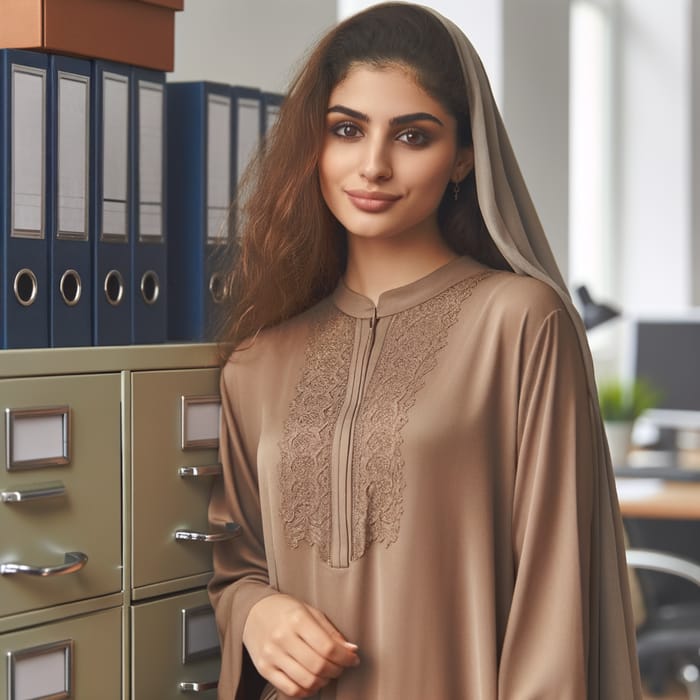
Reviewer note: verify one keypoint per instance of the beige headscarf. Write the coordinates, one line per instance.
(513, 223)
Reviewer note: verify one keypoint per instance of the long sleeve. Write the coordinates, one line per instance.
(546, 645)
(240, 572)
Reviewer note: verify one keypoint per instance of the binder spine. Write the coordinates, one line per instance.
(112, 219)
(249, 126)
(150, 231)
(200, 189)
(24, 305)
(69, 220)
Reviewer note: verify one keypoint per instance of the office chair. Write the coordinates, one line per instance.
(668, 641)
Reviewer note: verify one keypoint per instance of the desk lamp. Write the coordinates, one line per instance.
(593, 313)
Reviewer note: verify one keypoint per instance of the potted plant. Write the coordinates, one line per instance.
(621, 403)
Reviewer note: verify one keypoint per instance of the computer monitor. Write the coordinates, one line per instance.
(667, 355)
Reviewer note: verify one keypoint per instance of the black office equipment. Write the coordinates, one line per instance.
(667, 354)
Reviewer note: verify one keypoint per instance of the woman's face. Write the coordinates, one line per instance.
(389, 152)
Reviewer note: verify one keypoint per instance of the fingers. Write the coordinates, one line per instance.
(327, 641)
(295, 646)
(295, 668)
(295, 680)
(313, 658)
(308, 654)
(315, 644)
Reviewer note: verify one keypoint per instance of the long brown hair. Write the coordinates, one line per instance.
(290, 251)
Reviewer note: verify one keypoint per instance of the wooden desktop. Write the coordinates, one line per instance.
(658, 498)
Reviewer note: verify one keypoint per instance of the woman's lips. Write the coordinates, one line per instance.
(372, 201)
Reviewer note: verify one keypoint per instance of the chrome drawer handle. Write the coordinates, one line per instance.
(186, 687)
(35, 492)
(73, 561)
(231, 530)
(204, 470)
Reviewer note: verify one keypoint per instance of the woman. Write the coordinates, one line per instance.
(411, 441)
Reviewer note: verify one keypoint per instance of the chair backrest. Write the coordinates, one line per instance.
(680, 538)
(666, 563)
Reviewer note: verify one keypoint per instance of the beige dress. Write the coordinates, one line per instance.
(425, 473)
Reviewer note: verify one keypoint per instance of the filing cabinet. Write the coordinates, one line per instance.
(174, 452)
(175, 636)
(60, 490)
(108, 460)
(74, 658)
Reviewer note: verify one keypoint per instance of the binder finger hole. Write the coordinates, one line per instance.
(114, 287)
(217, 288)
(71, 287)
(150, 287)
(26, 287)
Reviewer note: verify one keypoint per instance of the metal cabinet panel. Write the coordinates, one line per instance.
(70, 505)
(166, 499)
(174, 647)
(81, 656)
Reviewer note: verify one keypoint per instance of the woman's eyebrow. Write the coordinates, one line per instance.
(415, 117)
(349, 112)
(394, 121)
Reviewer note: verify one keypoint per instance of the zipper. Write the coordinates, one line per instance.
(341, 539)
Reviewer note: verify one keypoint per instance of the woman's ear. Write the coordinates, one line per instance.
(464, 163)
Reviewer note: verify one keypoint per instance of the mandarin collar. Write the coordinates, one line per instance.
(409, 295)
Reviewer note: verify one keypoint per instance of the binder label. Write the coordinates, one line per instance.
(218, 167)
(248, 133)
(150, 161)
(115, 152)
(271, 116)
(28, 148)
(73, 128)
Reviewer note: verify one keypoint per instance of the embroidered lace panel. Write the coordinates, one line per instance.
(410, 351)
(306, 445)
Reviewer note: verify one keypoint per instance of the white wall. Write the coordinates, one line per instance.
(654, 138)
(535, 42)
(245, 42)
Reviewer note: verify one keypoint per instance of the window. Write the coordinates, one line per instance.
(591, 239)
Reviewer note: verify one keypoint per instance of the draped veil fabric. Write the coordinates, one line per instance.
(513, 224)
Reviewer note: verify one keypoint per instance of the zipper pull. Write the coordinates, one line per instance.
(373, 319)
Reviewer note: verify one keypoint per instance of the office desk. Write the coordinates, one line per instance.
(659, 499)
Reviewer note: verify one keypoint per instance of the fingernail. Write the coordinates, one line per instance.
(352, 646)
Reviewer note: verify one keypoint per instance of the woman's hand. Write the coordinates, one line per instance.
(294, 646)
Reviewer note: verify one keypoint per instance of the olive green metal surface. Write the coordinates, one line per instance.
(97, 661)
(157, 650)
(163, 501)
(86, 518)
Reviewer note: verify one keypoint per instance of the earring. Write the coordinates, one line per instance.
(455, 190)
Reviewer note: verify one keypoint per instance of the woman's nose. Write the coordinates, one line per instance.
(376, 163)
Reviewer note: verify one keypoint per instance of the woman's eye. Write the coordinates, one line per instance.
(346, 130)
(412, 137)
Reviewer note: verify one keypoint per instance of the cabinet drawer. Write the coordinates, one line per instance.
(175, 427)
(77, 658)
(174, 642)
(60, 489)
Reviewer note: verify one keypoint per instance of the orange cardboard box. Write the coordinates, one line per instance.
(139, 32)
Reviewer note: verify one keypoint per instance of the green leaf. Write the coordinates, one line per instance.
(620, 401)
